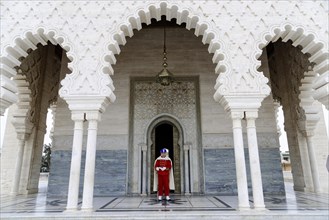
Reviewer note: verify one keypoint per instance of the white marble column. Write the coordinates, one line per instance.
(256, 176)
(187, 169)
(144, 172)
(312, 158)
(23, 129)
(240, 163)
(53, 109)
(73, 191)
(18, 165)
(88, 186)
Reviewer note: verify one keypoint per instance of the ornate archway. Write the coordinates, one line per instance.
(177, 148)
(19, 48)
(194, 20)
(308, 64)
(35, 62)
(316, 83)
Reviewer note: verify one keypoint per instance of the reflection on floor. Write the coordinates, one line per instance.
(293, 202)
(178, 203)
(33, 204)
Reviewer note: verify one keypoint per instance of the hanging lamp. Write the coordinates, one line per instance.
(164, 77)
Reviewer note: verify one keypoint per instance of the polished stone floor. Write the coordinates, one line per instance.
(295, 205)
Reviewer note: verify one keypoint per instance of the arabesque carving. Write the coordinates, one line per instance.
(92, 38)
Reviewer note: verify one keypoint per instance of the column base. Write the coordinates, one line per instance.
(71, 209)
(143, 194)
(33, 191)
(13, 193)
(87, 209)
(308, 189)
(187, 194)
(299, 188)
(260, 208)
(317, 191)
(244, 208)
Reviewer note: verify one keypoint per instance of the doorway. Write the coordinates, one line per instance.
(166, 135)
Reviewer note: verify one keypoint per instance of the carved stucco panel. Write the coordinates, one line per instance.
(234, 30)
(33, 68)
(150, 100)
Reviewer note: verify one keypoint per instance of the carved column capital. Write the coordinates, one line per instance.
(237, 114)
(93, 115)
(23, 128)
(77, 116)
(307, 127)
(143, 147)
(186, 147)
(237, 104)
(252, 114)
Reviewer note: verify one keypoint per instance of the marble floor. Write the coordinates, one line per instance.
(295, 205)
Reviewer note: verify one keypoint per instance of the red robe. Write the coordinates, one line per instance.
(163, 175)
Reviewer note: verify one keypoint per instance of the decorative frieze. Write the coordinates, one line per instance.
(91, 43)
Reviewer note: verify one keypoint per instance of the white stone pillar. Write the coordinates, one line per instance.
(53, 108)
(186, 169)
(240, 163)
(18, 165)
(23, 129)
(88, 186)
(144, 154)
(314, 167)
(305, 162)
(73, 191)
(256, 176)
(191, 169)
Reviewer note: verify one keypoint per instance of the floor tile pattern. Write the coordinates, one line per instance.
(293, 202)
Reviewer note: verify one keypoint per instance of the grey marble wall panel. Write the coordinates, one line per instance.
(58, 181)
(220, 173)
(104, 142)
(62, 142)
(217, 140)
(225, 140)
(220, 176)
(267, 140)
(119, 141)
(110, 173)
(272, 175)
